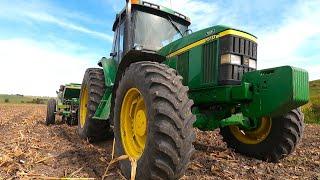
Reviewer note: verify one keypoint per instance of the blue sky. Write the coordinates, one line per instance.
(45, 43)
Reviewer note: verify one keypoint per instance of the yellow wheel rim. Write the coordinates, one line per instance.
(83, 106)
(133, 123)
(255, 136)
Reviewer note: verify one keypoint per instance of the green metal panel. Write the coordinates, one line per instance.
(211, 121)
(300, 85)
(189, 39)
(195, 68)
(209, 63)
(103, 110)
(276, 91)
(202, 65)
(66, 113)
(222, 94)
(70, 93)
(171, 62)
(62, 106)
(183, 67)
(110, 70)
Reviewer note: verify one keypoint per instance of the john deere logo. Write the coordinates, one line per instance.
(210, 32)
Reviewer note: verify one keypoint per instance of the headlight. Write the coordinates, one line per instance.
(252, 63)
(230, 59)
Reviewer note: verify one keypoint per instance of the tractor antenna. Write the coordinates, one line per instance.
(170, 4)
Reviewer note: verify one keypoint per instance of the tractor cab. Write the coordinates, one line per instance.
(143, 28)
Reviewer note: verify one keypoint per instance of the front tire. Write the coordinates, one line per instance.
(151, 97)
(51, 108)
(285, 133)
(92, 91)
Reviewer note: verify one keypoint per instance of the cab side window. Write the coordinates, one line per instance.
(121, 40)
(115, 47)
(118, 43)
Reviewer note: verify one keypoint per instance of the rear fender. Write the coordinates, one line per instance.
(110, 70)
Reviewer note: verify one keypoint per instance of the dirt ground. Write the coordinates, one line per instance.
(30, 149)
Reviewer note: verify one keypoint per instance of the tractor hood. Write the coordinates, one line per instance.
(175, 47)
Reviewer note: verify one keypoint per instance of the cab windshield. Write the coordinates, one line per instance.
(153, 32)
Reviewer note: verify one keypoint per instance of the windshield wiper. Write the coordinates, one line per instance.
(177, 29)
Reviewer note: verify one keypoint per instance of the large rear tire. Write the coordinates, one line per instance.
(153, 121)
(51, 108)
(92, 91)
(283, 135)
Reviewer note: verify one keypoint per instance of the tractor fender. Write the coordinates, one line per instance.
(136, 56)
(109, 70)
(113, 72)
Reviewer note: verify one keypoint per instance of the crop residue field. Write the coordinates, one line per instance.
(30, 149)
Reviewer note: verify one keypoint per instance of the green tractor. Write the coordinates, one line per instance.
(66, 104)
(162, 80)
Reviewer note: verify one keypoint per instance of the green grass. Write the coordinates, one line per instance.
(18, 99)
(312, 109)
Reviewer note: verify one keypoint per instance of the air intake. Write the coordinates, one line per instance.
(209, 54)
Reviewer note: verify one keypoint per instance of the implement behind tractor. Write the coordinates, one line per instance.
(162, 80)
(66, 105)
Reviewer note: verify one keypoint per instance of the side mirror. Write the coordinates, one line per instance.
(113, 54)
(187, 32)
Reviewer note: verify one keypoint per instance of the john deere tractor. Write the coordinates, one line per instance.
(66, 104)
(162, 80)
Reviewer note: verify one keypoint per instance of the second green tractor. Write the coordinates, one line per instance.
(162, 80)
(65, 105)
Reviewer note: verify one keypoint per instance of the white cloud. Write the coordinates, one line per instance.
(65, 24)
(201, 13)
(314, 71)
(32, 67)
(43, 11)
(29, 67)
(282, 46)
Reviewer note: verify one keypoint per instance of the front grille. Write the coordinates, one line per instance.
(238, 45)
(208, 62)
(230, 73)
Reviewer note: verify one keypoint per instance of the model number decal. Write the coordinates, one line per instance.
(211, 38)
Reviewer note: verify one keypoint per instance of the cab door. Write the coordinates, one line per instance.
(118, 43)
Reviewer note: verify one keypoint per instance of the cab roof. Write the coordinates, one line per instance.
(155, 9)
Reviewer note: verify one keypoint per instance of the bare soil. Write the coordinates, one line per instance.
(30, 149)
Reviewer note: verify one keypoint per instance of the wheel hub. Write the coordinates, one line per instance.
(255, 136)
(133, 123)
(140, 123)
(83, 106)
